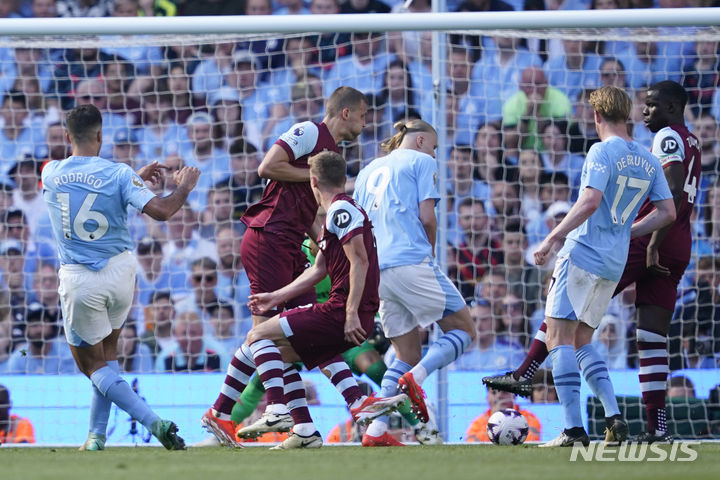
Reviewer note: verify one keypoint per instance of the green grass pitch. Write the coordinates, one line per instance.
(340, 463)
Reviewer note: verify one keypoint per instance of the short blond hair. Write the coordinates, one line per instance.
(404, 127)
(611, 103)
(329, 167)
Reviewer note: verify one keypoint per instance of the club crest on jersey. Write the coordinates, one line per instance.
(342, 218)
(669, 145)
(137, 182)
(299, 131)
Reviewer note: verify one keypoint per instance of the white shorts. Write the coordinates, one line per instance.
(415, 296)
(95, 303)
(576, 294)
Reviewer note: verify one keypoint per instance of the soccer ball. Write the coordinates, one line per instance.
(507, 427)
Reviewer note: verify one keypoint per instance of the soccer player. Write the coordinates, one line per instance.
(655, 263)
(88, 198)
(277, 225)
(399, 192)
(319, 333)
(617, 176)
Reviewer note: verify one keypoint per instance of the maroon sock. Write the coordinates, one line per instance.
(238, 375)
(535, 357)
(341, 376)
(295, 396)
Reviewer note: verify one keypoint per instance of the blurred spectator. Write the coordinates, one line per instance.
(461, 185)
(45, 353)
(304, 107)
(159, 133)
(697, 349)
(92, 91)
(244, 182)
(329, 45)
(701, 75)
(543, 387)
(497, 400)
(12, 263)
(226, 113)
(554, 187)
(649, 62)
(58, 147)
(154, 274)
(680, 386)
(224, 327)
(610, 342)
(489, 152)
(203, 280)
(13, 429)
(159, 318)
(364, 69)
(489, 351)
(553, 216)
(84, 8)
(183, 102)
(28, 194)
(703, 309)
(133, 356)
(523, 278)
(126, 149)
(209, 75)
(612, 73)
(16, 139)
(118, 75)
(711, 216)
(398, 92)
(479, 251)
(493, 288)
(219, 210)
(640, 132)
(45, 290)
(556, 156)
(376, 129)
(233, 283)
(579, 68)
(504, 204)
(535, 102)
(496, 76)
(269, 52)
(584, 119)
(408, 45)
(514, 326)
(299, 63)
(7, 342)
(191, 352)
(291, 7)
(44, 9)
(364, 6)
(706, 129)
(184, 243)
(529, 170)
(77, 64)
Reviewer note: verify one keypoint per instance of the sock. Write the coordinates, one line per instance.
(596, 374)
(270, 368)
(294, 395)
(376, 371)
(341, 376)
(567, 383)
(100, 406)
(388, 388)
(238, 375)
(652, 352)
(535, 357)
(248, 401)
(117, 390)
(444, 351)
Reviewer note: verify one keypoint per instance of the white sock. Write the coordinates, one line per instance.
(277, 409)
(358, 402)
(304, 429)
(419, 374)
(377, 428)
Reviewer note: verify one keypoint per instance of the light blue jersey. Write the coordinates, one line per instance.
(87, 200)
(390, 190)
(626, 173)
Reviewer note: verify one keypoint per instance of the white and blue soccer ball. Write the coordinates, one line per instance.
(507, 427)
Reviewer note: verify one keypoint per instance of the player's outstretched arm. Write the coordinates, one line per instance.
(165, 207)
(586, 205)
(429, 220)
(276, 166)
(359, 264)
(262, 302)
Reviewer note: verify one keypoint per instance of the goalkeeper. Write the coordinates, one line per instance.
(365, 358)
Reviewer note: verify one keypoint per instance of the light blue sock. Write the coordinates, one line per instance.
(567, 383)
(596, 373)
(444, 351)
(100, 406)
(119, 392)
(388, 388)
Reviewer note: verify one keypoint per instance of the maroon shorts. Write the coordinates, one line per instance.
(651, 289)
(271, 262)
(318, 332)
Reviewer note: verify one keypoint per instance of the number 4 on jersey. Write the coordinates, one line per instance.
(83, 215)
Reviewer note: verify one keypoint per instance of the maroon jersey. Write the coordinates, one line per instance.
(676, 144)
(346, 219)
(288, 208)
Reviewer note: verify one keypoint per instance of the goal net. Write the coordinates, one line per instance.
(518, 126)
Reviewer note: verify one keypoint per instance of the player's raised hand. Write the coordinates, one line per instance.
(653, 262)
(262, 302)
(354, 333)
(187, 177)
(152, 173)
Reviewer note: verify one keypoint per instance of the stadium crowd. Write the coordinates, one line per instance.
(518, 127)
